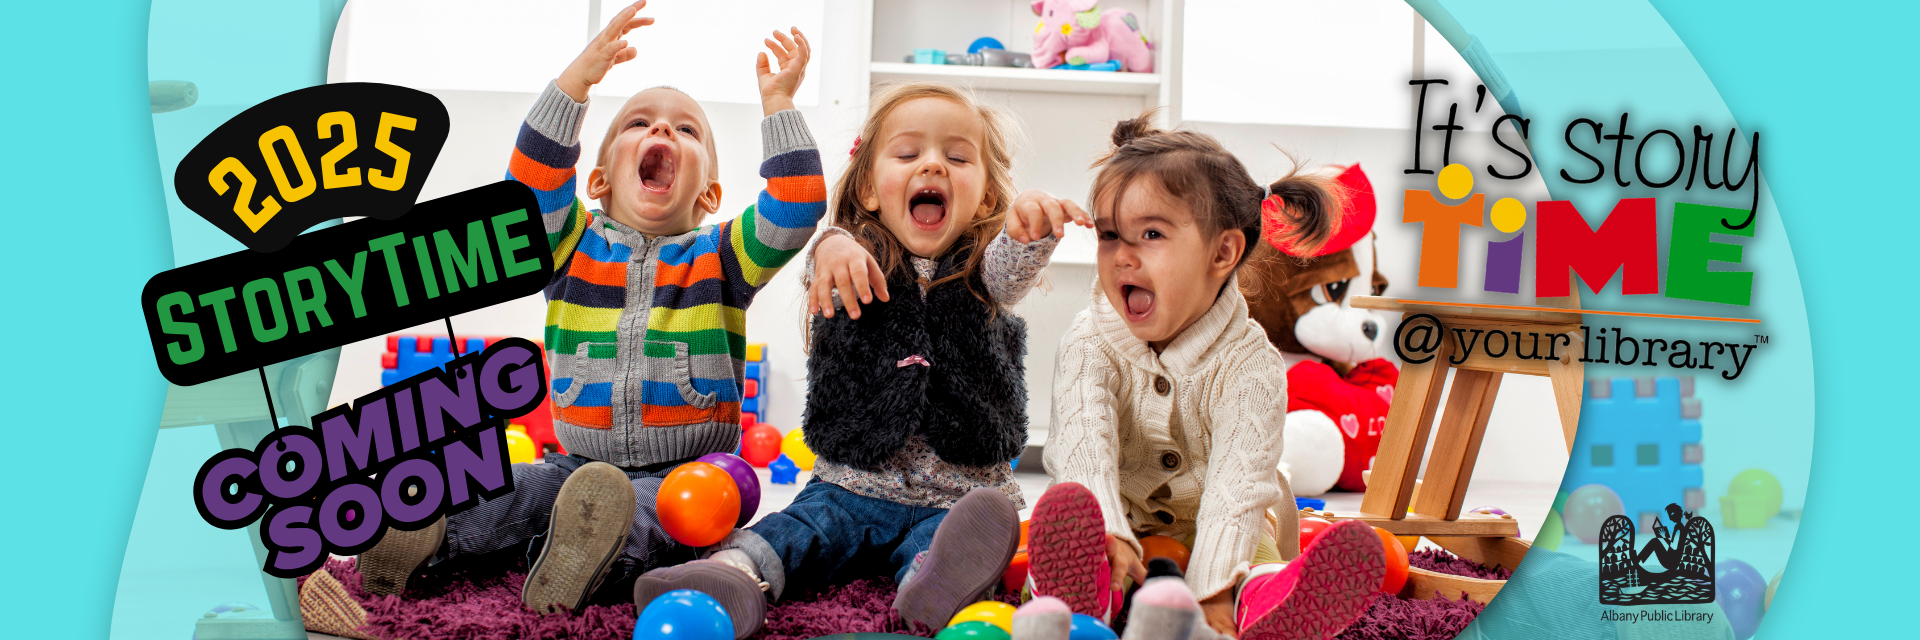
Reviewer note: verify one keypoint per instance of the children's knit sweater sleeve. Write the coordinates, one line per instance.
(1083, 445)
(755, 245)
(543, 158)
(1242, 482)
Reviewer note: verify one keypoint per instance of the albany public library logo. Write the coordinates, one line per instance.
(1684, 553)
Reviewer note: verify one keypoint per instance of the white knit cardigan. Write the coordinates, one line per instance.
(1181, 443)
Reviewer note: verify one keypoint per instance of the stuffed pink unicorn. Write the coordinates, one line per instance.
(1078, 32)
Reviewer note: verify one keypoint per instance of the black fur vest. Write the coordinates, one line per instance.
(969, 400)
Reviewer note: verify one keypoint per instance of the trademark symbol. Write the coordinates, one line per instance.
(1759, 339)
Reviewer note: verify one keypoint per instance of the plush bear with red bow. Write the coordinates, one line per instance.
(1338, 385)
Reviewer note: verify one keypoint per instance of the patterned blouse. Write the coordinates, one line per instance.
(915, 475)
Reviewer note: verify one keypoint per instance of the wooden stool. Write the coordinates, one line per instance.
(1436, 501)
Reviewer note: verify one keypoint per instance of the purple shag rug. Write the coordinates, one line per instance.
(484, 604)
(1441, 561)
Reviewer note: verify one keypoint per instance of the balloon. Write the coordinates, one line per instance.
(1396, 577)
(999, 614)
(975, 629)
(1550, 532)
(795, 446)
(519, 447)
(1741, 593)
(684, 615)
(1589, 506)
(743, 478)
(698, 504)
(1086, 627)
(760, 445)
(1164, 547)
(1310, 529)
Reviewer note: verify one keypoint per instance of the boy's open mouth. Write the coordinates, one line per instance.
(1139, 302)
(928, 208)
(656, 169)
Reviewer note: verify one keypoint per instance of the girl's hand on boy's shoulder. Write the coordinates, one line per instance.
(777, 89)
(841, 264)
(605, 50)
(1037, 214)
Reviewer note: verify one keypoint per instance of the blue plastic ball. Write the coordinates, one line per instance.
(1741, 594)
(684, 615)
(1086, 627)
(984, 43)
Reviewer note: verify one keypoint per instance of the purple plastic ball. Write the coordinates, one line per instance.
(743, 475)
(1741, 593)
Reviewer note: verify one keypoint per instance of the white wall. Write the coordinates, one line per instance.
(1064, 132)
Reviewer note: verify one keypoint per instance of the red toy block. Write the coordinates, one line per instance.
(753, 388)
(393, 344)
(389, 360)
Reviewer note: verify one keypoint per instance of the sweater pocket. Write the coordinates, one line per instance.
(670, 392)
(583, 384)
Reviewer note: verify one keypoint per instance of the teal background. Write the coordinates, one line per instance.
(1826, 88)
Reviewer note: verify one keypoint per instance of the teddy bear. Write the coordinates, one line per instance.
(1339, 385)
(1077, 32)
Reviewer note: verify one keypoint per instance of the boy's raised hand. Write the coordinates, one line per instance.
(1036, 214)
(777, 89)
(841, 264)
(605, 50)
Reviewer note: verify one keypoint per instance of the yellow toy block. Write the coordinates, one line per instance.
(754, 351)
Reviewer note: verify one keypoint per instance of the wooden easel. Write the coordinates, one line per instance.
(1436, 501)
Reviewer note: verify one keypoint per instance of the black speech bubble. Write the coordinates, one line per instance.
(291, 272)
(332, 169)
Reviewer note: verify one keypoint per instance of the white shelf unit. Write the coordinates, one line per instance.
(1008, 79)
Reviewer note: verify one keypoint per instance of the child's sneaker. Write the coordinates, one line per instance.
(1318, 594)
(591, 517)
(968, 556)
(1067, 545)
(736, 590)
(385, 569)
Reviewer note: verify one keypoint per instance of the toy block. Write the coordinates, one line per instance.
(755, 371)
(393, 343)
(750, 405)
(1641, 438)
(748, 419)
(753, 388)
(756, 352)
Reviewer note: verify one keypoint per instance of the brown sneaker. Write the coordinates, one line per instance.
(736, 591)
(591, 517)
(967, 557)
(385, 568)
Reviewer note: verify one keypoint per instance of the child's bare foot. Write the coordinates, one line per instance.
(591, 518)
(967, 557)
(737, 591)
(385, 569)
(1335, 578)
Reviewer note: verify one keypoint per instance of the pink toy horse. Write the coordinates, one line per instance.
(1078, 32)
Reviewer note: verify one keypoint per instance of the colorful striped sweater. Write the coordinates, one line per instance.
(646, 337)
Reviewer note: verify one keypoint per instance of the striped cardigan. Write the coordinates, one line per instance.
(646, 336)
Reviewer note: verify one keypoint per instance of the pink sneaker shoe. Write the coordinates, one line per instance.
(1067, 545)
(1319, 594)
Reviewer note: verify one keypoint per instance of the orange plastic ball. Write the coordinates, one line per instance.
(1310, 530)
(1023, 534)
(1164, 547)
(1015, 577)
(1410, 542)
(1396, 577)
(698, 504)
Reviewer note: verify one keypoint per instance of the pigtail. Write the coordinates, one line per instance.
(1306, 209)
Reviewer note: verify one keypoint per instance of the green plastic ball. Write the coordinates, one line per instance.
(974, 629)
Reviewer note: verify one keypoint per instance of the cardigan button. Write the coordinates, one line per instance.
(1161, 386)
(1170, 459)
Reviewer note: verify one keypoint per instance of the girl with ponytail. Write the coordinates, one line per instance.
(1169, 403)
